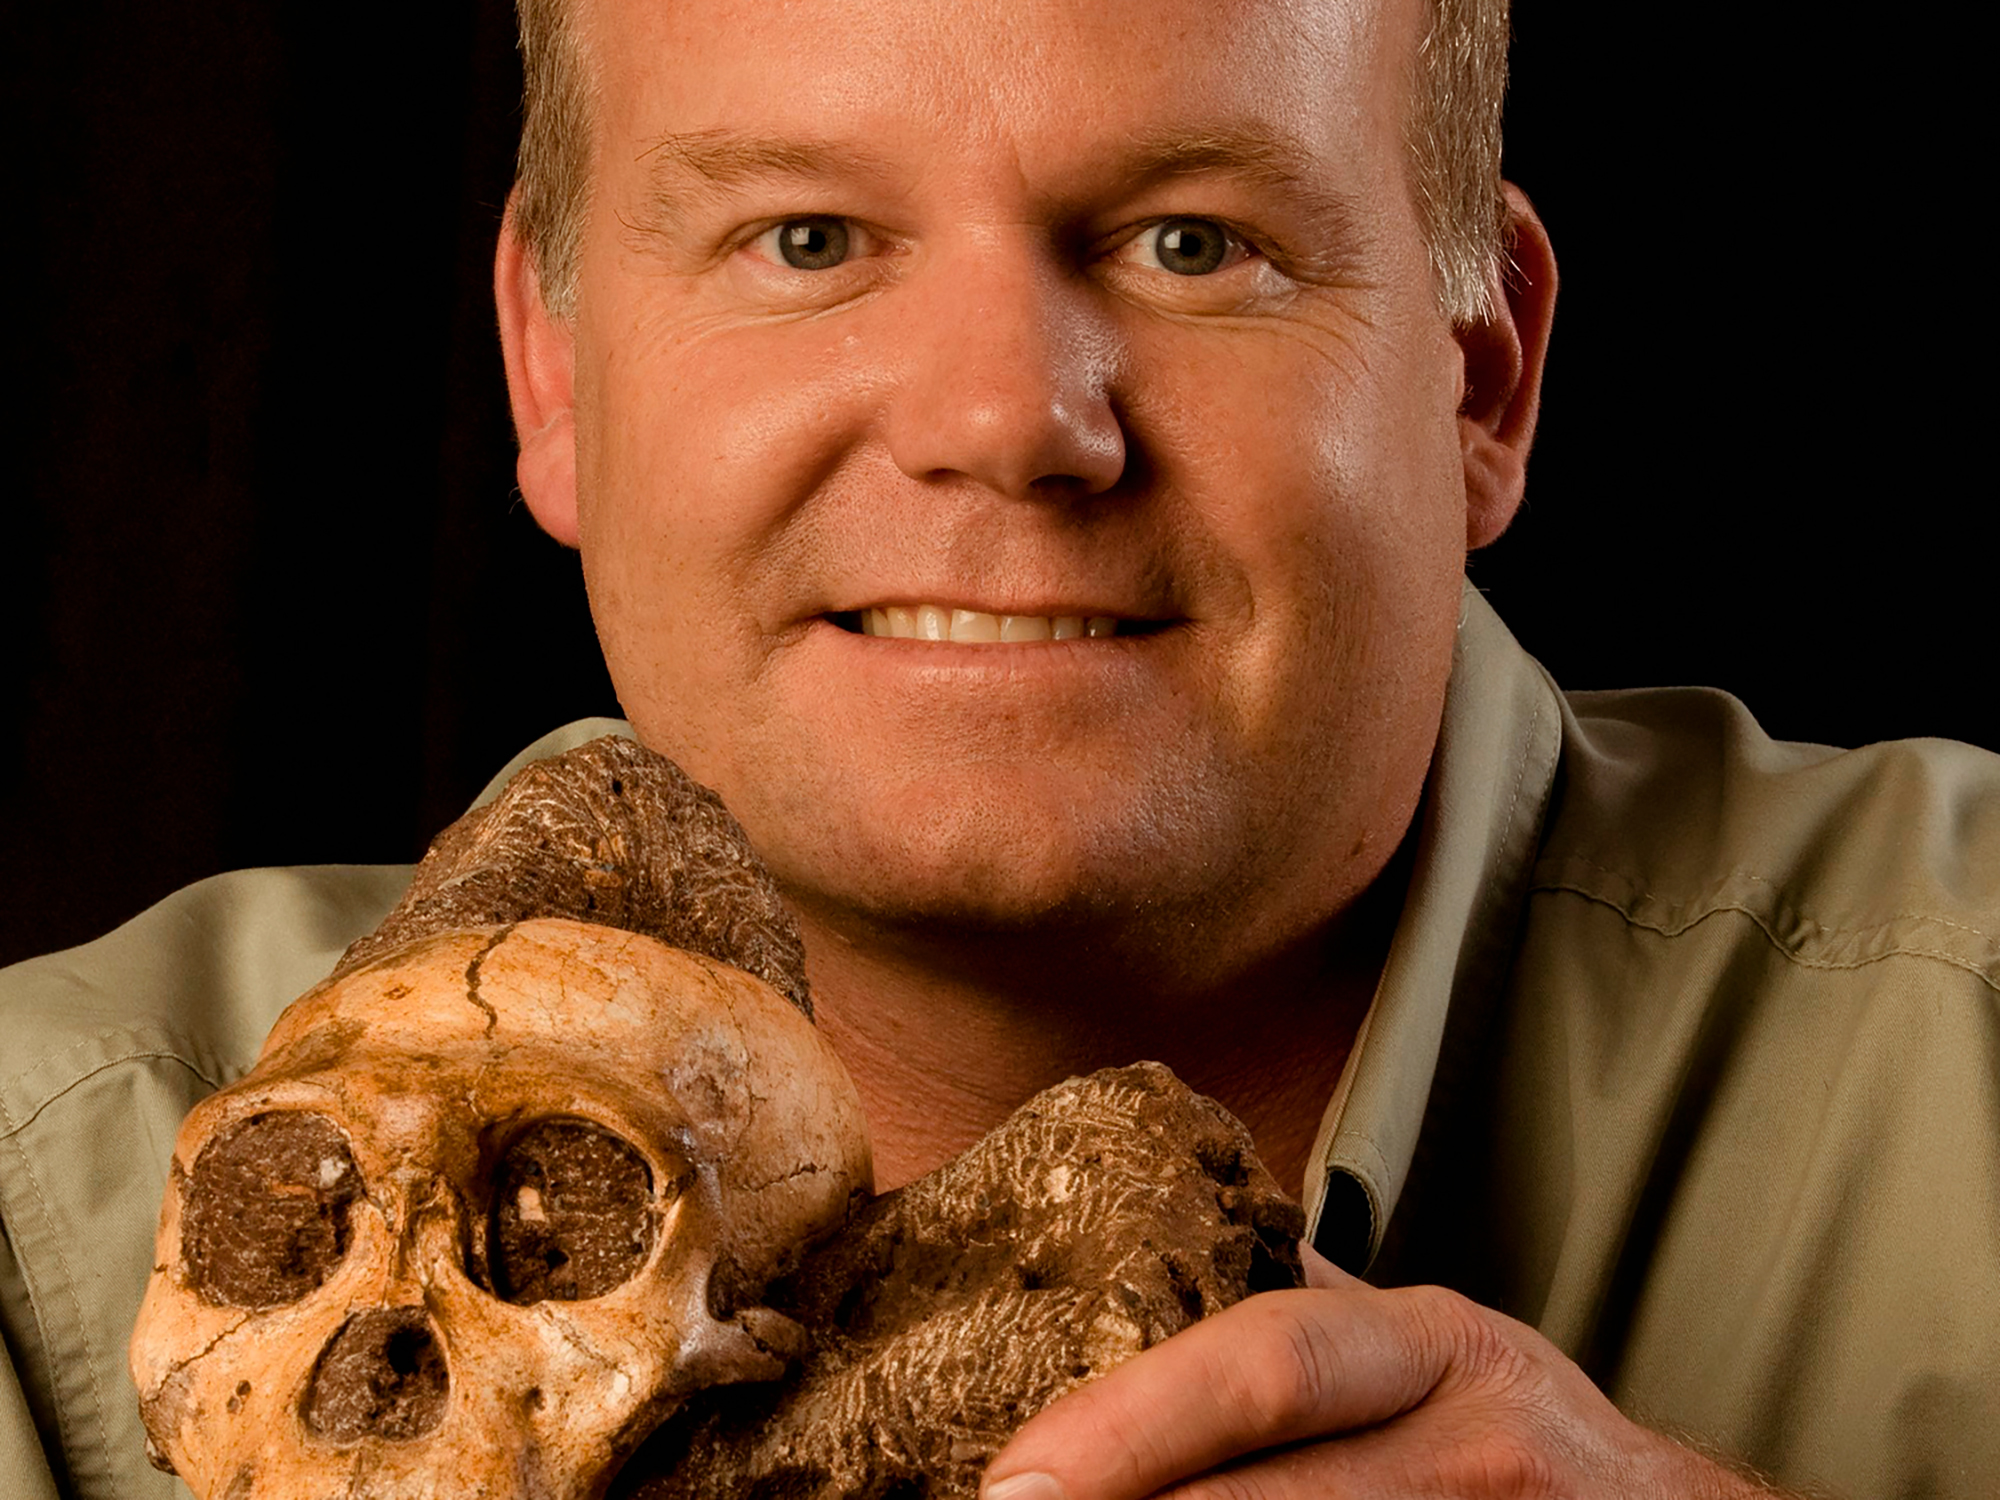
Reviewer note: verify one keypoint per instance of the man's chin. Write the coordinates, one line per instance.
(964, 898)
(983, 888)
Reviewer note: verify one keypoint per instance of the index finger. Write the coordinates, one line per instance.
(1274, 1369)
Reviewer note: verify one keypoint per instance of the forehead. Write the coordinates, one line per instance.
(1023, 84)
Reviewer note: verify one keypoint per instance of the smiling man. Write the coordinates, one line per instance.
(1025, 458)
(1020, 457)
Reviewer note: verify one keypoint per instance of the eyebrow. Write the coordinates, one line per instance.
(724, 158)
(1241, 151)
(710, 163)
(716, 161)
(1255, 156)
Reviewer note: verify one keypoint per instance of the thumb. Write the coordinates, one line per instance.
(1323, 1273)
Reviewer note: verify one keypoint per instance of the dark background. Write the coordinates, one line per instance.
(267, 597)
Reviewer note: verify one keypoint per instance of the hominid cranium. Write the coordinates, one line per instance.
(482, 1214)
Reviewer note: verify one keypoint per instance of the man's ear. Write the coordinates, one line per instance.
(1503, 376)
(540, 354)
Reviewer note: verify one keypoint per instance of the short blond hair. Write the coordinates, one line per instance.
(1453, 137)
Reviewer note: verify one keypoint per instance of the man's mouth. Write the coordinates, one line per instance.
(938, 622)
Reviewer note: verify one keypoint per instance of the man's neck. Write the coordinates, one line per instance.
(944, 1046)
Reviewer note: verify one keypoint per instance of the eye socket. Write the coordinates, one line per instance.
(817, 242)
(1187, 247)
(575, 1213)
(264, 1219)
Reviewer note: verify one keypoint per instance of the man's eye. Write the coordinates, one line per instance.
(818, 243)
(1186, 247)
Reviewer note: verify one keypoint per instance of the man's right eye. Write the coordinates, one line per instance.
(817, 243)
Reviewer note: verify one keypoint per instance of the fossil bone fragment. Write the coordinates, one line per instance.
(457, 1233)
(1104, 1215)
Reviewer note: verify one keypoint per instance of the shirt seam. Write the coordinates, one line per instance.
(1521, 771)
(66, 1419)
(11, 1126)
(1777, 891)
(1760, 920)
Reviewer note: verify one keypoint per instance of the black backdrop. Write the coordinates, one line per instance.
(267, 596)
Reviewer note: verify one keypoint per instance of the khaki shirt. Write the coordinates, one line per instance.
(1687, 1052)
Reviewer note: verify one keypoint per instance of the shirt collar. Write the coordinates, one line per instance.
(1477, 832)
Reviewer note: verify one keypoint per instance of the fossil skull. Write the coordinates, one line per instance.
(483, 1215)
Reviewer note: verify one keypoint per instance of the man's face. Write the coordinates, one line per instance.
(1111, 312)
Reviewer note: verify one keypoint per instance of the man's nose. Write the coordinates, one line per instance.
(1011, 384)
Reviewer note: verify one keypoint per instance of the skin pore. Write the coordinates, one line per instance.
(1117, 312)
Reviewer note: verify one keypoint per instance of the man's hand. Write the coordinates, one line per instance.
(1342, 1389)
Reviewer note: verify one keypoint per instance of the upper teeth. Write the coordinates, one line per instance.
(933, 622)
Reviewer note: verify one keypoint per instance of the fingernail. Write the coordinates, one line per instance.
(1024, 1487)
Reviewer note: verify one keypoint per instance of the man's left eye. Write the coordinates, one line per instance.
(1186, 247)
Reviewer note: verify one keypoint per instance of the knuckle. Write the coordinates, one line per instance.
(1474, 1344)
(1496, 1383)
(1226, 1484)
(1503, 1464)
(1292, 1379)
(1446, 1314)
